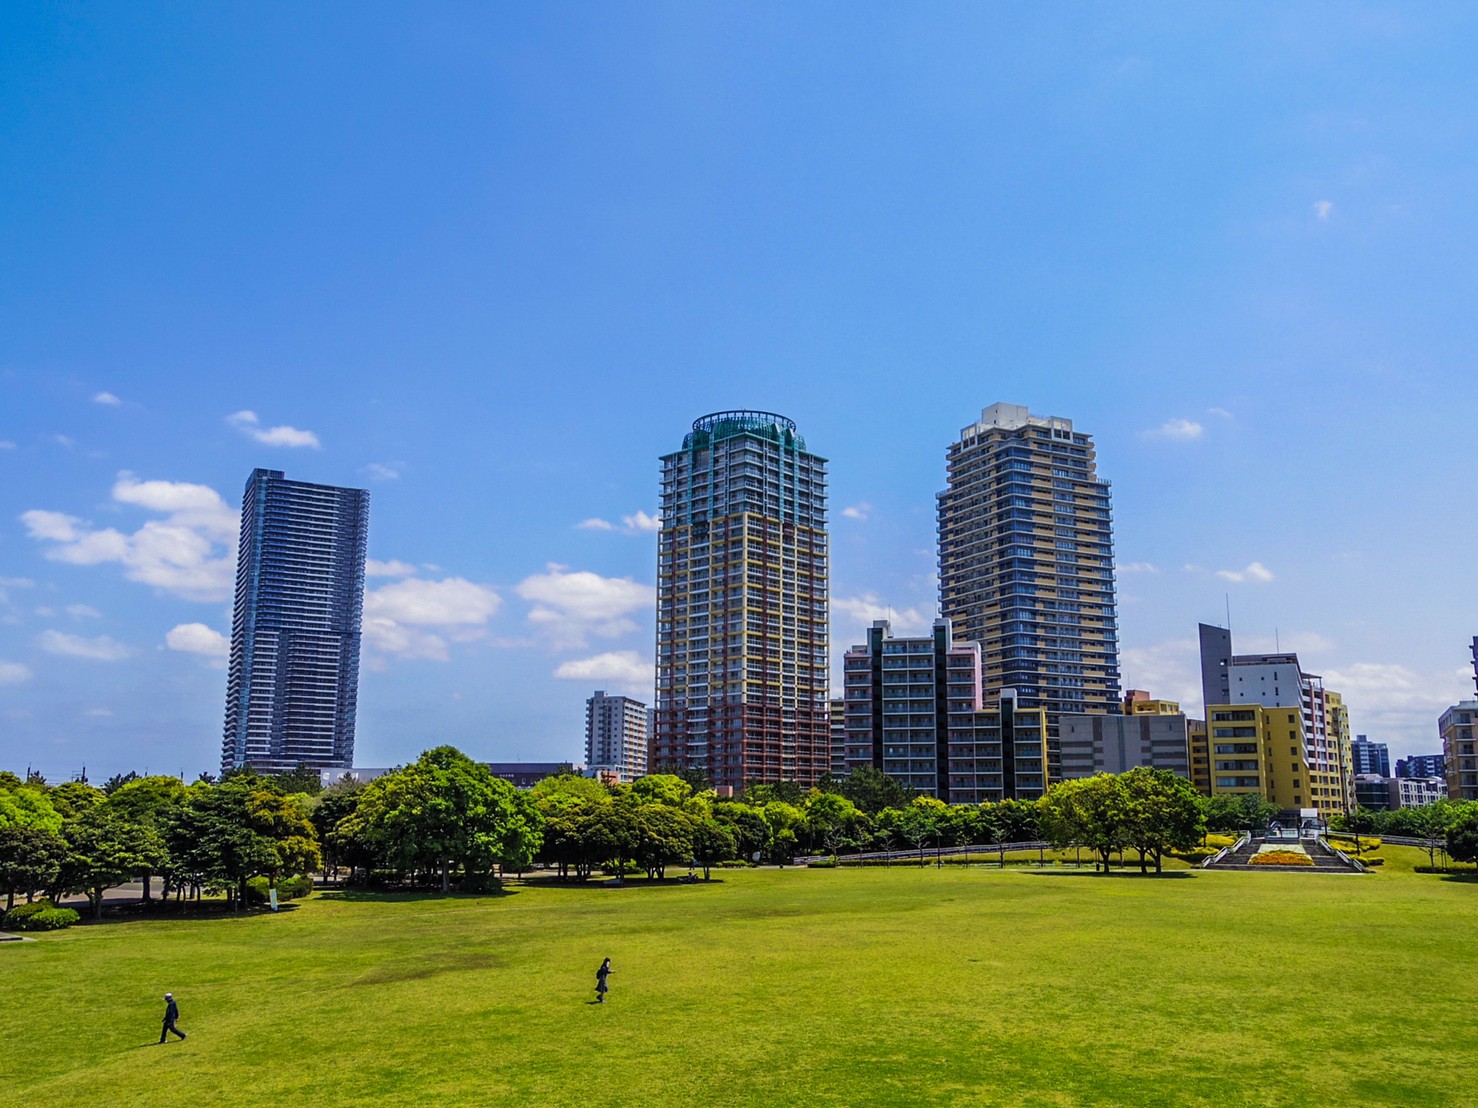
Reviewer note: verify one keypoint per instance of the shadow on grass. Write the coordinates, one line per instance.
(1168, 875)
(407, 896)
(207, 912)
(1467, 878)
(609, 884)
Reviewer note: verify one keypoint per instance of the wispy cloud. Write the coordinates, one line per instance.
(571, 607)
(82, 611)
(6, 444)
(1179, 430)
(595, 523)
(1137, 567)
(248, 424)
(861, 611)
(106, 398)
(638, 523)
(1323, 209)
(1220, 412)
(858, 511)
(622, 669)
(1256, 573)
(384, 471)
(392, 568)
(13, 673)
(100, 649)
(414, 618)
(197, 638)
(191, 552)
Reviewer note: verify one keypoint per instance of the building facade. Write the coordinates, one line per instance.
(1370, 759)
(615, 738)
(293, 680)
(1459, 753)
(1026, 565)
(1274, 728)
(1117, 744)
(742, 604)
(914, 709)
(838, 736)
(1422, 765)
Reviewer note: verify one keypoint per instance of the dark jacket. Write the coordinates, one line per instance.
(171, 1012)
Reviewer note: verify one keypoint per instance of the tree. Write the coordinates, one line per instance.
(872, 790)
(919, 823)
(30, 859)
(1360, 822)
(1162, 812)
(104, 849)
(72, 798)
(785, 821)
(712, 843)
(1462, 835)
(303, 779)
(332, 805)
(660, 788)
(695, 777)
(787, 792)
(747, 825)
(831, 820)
(152, 801)
(663, 835)
(568, 785)
(1086, 812)
(118, 780)
(26, 806)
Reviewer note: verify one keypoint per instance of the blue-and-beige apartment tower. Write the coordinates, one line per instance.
(1026, 564)
(742, 606)
(294, 671)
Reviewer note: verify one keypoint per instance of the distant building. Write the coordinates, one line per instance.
(914, 710)
(838, 736)
(1116, 744)
(525, 775)
(1373, 791)
(1197, 739)
(1026, 563)
(1459, 755)
(1370, 758)
(1422, 765)
(1384, 794)
(293, 678)
(615, 738)
(1137, 702)
(1274, 729)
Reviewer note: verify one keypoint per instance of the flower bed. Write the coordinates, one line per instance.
(1281, 858)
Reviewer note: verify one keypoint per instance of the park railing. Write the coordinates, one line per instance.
(1354, 863)
(927, 853)
(1242, 841)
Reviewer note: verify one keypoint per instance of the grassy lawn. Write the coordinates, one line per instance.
(900, 985)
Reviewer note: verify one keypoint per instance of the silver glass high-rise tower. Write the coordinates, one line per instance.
(294, 671)
(742, 665)
(1026, 563)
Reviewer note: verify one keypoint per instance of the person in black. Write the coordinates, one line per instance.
(171, 1013)
(600, 981)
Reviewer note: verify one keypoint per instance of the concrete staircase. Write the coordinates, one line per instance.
(1325, 860)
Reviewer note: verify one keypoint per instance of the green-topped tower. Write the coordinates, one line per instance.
(742, 615)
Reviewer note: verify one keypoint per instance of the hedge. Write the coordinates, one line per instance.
(41, 915)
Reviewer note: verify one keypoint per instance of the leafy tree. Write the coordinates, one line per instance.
(1018, 821)
(695, 777)
(30, 859)
(303, 779)
(73, 798)
(919, 822)
(661, 788)
(1088, 812)
(9, 780)
(831, 820)
(712, 843)
(104, 849)
(787, 792)
(1360, 822)
(333, 804)
(118, 780)
(1162, 812)
(1462, 835)
(872, 790)
(25, 806)
(569, 785)
(747, 825)
(663, 835)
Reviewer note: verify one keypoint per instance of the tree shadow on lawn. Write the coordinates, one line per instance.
(1468, 878)
(408, 896)
(609, 884)
(1168, 875)
(209, 913)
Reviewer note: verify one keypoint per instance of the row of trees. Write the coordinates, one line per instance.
(1452, 824)
(74, 838)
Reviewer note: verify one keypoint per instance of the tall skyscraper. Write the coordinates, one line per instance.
(294, 675)
(1026, 563)
(1370, 758)
(615, 738)
(742, 665)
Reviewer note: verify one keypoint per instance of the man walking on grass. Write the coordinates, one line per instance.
(171, 1013)
(600, 981)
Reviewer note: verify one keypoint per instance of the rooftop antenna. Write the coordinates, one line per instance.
(1228, 598)
(1277, 643)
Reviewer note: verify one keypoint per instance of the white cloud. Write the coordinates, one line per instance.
(247, 423)
(45, 612)
(1296, 642)
(17, 583)
(382, 471)
(101, 649)
(197, 638)
(1394, 703)
(392, 568)
(13, 673)
(622, 669)
(82, 611)
(569, 607)
(191, 552)
(641, 523)
(395, 616)
(66, 442)
(858, 511)
(861, 611)
(106, 398)
(1180, 430)
(1222, 412)
(1255, 573)
(1137, 567)
(1169, 670)
(595, 524)
(99, 713)
(1322, 209)
(6, 444)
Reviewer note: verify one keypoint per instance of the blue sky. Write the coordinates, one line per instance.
(491, 261)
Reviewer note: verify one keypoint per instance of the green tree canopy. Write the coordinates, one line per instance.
(1162, 812)
(30, 859)
(27, 806)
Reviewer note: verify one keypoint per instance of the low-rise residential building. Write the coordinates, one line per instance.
(913, 708)
(1114, 744)
(1200, 755)
(1385, 794)
(1137, 702)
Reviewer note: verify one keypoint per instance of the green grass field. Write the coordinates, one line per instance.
(777, 987)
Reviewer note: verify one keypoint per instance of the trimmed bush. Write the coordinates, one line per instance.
(289, 888)
(39, 916)
(824, 863)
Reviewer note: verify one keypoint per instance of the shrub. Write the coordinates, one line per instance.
(823, 863)
(1281, 858)
(39, 916)
(289, 888)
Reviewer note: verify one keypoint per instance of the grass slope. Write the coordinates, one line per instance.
(906, 986)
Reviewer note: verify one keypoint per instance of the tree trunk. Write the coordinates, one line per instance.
(148, 877)
(446, 875)
(97, 902)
